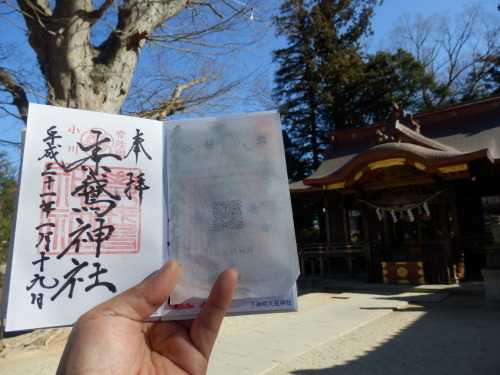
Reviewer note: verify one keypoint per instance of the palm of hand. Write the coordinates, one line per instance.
(113, 339)
(129, 347)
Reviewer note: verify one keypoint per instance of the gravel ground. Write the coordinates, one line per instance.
(456, 336)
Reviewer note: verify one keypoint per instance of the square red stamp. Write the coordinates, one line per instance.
(89, 212)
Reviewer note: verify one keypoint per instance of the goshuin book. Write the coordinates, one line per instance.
(104, 200)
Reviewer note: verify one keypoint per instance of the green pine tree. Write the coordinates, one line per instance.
(393, 77)
(320, 72)
(8, 190)
(297, 81)
(339, 26)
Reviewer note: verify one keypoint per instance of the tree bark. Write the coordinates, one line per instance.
(19, 98)
(78, 74)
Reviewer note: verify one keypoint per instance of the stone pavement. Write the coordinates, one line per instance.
(260, 348)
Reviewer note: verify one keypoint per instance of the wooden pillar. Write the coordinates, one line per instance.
(345, 220)
(387, 221)
(457, 256)
(302, 266)
(350, 265)
(365, 222)
(321, 266)
(453, 228)
(327, 218)
(454, 212)
(443, 215)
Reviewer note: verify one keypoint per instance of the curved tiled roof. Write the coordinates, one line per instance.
(416, 149)
(452, 135)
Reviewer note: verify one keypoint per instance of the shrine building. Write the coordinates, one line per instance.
(411, 200)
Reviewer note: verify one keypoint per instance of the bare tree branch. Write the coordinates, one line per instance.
(174, 104)
(455, 50)
(87, 55)
(96, 15)
(210, 5)
(19, 98)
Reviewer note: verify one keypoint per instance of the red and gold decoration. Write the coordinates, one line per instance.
(403, 273)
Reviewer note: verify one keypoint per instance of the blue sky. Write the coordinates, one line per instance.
(383, 22)
(386, 15)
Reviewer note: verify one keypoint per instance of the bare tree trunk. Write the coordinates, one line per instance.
(78, 74)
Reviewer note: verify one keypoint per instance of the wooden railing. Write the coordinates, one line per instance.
(317, 259)
(318, 255)
(340, 249)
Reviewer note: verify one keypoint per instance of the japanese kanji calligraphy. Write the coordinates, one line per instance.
(105, 200)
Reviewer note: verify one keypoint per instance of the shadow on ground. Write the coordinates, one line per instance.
(456, 336)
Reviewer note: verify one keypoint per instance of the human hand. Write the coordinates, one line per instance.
(112, 338)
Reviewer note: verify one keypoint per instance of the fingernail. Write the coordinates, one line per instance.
(237, 274)
(171, 262)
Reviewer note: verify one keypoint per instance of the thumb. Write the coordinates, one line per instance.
(142, 300)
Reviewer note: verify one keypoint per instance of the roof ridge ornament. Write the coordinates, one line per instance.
(399, 115)
(401, 128)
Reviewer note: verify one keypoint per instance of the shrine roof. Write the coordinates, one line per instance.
(299, 186)
(454, 134)
(470, 134)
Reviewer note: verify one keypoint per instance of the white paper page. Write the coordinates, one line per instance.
(229, 205)
(190, 308)
(89, 225)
